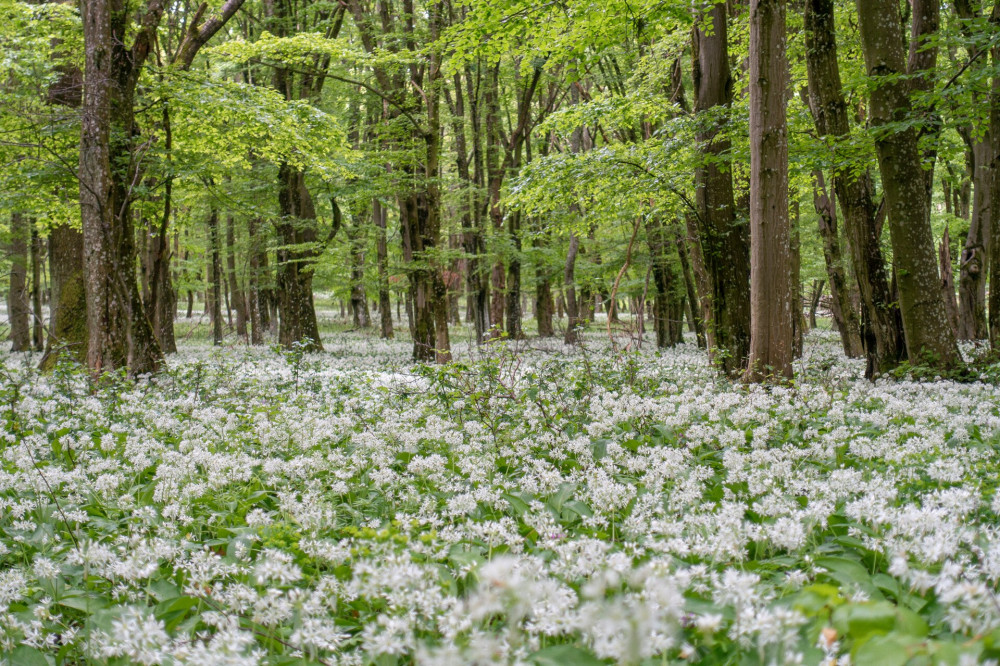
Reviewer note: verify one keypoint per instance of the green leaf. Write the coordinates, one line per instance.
(28, 656)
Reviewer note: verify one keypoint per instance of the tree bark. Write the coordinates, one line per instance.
(840, 298)
(948, 280)
(215, 278)
(37, 318)
(771, 328)
(18, 306)
(68, 307)
(974, 259)
(881, 325)
(725, 244)
(236, 295)
(297, 231)
(929, 338)
(382, 262)
(569, 286)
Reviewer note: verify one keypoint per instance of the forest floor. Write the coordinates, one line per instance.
(532, 504)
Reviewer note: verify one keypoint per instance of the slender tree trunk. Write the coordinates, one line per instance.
(18, 307)
(881, 325)
(253, 286)
(929, 338)
(37, 318)
(215, 277)
(382, 262)
(513, 310)
(569, 286)
(695, 310)
(974, 258)
(359, 299)
(237, 298)
(771, 340)
(814, 301)
(725, 243)
(663, 279)
(948, 280)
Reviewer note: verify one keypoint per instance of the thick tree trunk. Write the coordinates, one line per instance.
(119, 334)
(929, 338)
(725, 243)
(994, 253)
(881, 325)
(68, 307)
(296, 228)
(237, 298)
(771, 331)
(840, 298)
(18, 306)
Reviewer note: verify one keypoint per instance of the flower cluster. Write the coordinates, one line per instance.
(543, 505)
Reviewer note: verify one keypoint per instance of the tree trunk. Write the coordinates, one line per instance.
(253, 286)
(237, 296)
(725, 244)
(68, 307)
(382, 262)
(694, 307)
(297, 231)
(569, 286)
(994, 253)
(814, 301)
(771, 331)
(215, 277)
(881, 326)
(513, 310)
(948, 280)
(119, 334)
(840, 299)
(663, 279)
(37, 318)
(974, 259)
(929, 338)
(18, 307)
(359, 298)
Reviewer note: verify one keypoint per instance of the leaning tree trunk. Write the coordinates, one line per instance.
(840, 297)
(725, 243)
(881, 326)
(771, 328)
(929, 338)
(18, 309)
